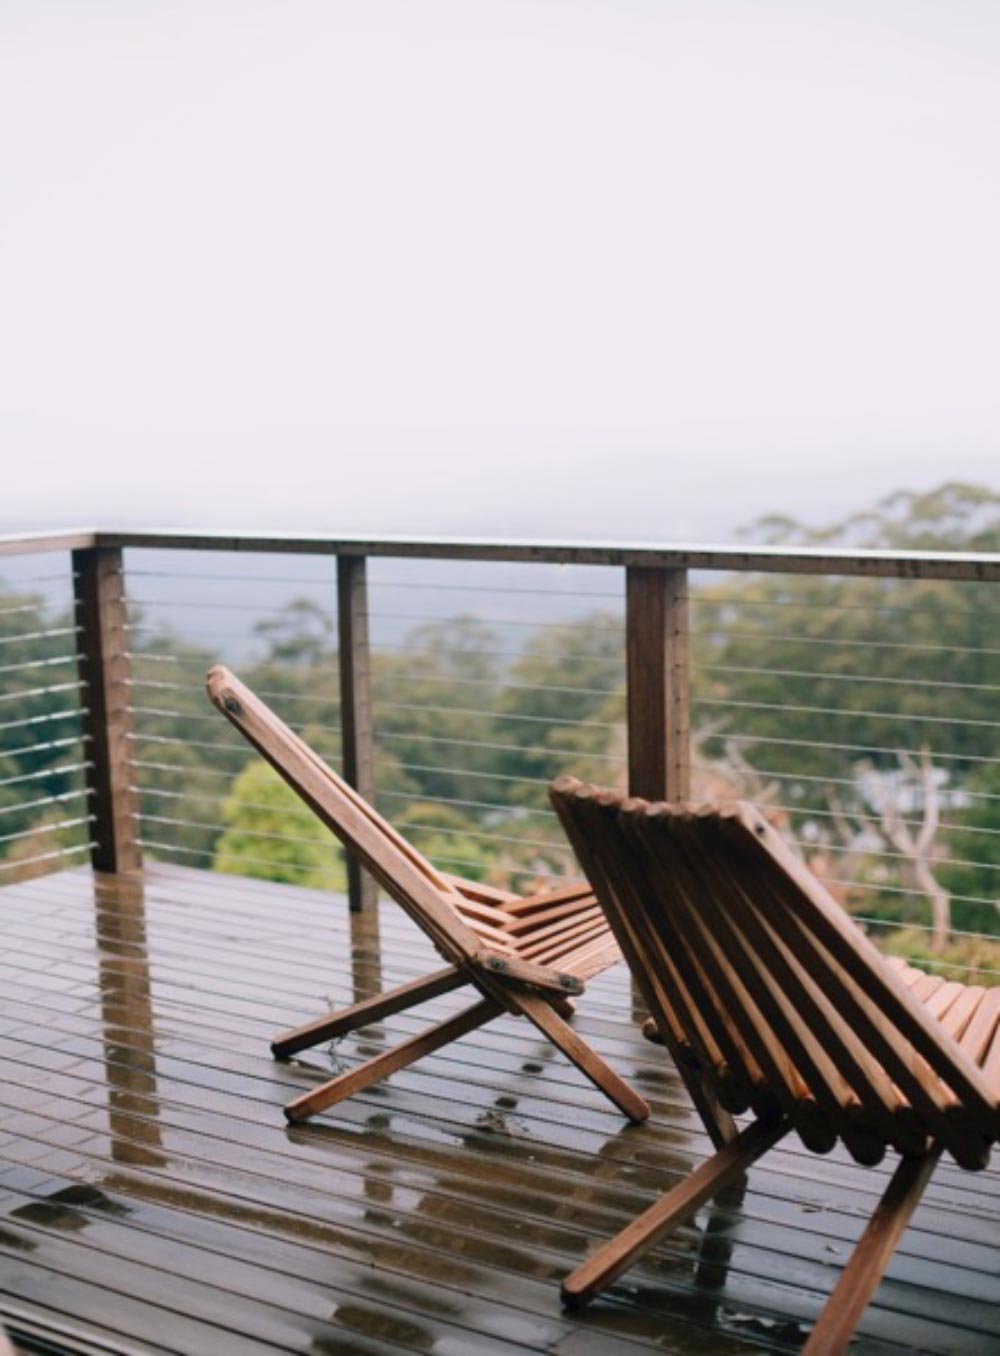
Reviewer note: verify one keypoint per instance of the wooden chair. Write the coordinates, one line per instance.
(771, 1000)
(526, 956)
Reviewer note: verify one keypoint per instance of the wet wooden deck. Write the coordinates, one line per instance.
(152, 1198)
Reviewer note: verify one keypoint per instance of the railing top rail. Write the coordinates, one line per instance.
(65, 539)
(773, 559)
(956, 565)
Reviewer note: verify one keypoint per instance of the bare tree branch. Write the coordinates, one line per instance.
(918, 849)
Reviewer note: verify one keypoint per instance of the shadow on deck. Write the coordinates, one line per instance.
(152, 1198)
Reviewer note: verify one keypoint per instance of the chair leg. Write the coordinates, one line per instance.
(721, 1127)
(374, 1070)
(371, 1010)
(860, 1278)
(670, 1211)
(588, 1061)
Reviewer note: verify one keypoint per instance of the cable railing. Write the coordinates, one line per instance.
(851, 695)
(878, 764)
(47, 816)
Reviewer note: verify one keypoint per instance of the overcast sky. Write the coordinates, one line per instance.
(549, 268)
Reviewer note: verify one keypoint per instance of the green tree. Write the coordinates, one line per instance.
(434, 698)
(270, 835)
(301, 634)
(448, 838)
(40, 739)
(564, 707)
(186, 755)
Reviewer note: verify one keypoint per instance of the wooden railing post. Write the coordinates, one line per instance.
(658, 691)
(357, 736)
(658, 664)
(105, 669)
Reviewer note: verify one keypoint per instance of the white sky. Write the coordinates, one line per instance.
(565, 269)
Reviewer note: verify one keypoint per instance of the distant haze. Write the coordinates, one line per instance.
(498, 267)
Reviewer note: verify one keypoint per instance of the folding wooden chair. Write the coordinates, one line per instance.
(526, 956)
(770, 999)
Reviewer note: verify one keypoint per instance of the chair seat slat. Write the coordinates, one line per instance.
(566, 935)
(960, 1010)
(976, 1038)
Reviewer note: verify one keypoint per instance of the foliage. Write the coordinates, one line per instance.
(40, 749)
(301, 634)
(271, 836)
(434, 697)
(448, 840)
(972, 959)
(563, 706)
(187, 758)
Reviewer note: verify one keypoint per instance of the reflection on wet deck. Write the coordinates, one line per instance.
(152, 1196)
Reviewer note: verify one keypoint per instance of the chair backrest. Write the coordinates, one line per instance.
(760, 981)
(416, 885)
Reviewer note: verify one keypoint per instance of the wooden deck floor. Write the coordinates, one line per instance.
(152, 1198)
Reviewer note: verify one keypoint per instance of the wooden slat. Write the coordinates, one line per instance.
(666, 995)
(754, 839)
(926, 987)
(554, 933)
(991, 1063)
(797, 1071)
(927, 1095)
(943, 998)
(798, 976)
(518, 907)
(841, 1079)
(477, 891)
(723, 1050)
(593, 959)
(695, 1052)
(528, 926)
(578, 942)
(962, 1011)
(977, 1036)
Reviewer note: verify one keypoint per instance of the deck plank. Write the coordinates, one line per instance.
(150, 1189)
